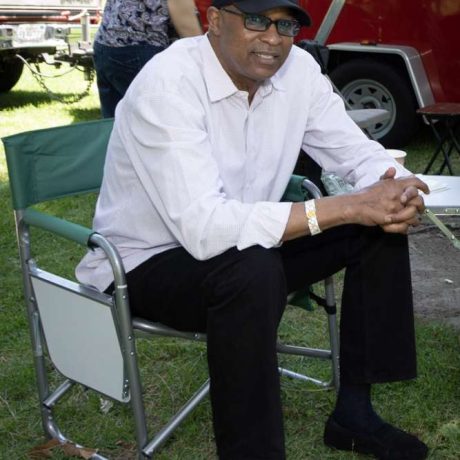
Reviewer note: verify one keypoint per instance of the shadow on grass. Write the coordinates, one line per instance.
(18, 99)
(79, 114)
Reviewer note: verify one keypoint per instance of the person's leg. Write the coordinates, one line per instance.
(376, 303)
(116, 68)
(377, 298)
(108, 95)
(238, 298)
(385, 352)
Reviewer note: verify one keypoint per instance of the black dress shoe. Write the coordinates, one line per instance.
(387, 443)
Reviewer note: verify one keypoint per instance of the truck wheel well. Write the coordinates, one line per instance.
(338, 58)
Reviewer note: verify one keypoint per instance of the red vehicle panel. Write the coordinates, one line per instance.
(431, 27)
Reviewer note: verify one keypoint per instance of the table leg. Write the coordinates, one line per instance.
(436, 221)
(446, 161)
(440, 147)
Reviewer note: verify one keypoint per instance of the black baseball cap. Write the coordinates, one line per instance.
(258, 6)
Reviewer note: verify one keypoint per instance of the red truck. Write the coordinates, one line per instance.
(392, 54)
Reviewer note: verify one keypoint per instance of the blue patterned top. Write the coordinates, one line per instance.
(133, 22)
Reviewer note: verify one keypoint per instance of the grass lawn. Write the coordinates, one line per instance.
(428, 407)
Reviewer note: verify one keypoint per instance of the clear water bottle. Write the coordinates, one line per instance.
(335, 185)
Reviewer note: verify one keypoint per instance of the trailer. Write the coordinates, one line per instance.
(52, 32)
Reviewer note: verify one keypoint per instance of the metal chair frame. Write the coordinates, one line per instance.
(126, 329)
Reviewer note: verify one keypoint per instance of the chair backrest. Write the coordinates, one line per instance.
(42, 163)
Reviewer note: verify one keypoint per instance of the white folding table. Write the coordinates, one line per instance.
(444, 200)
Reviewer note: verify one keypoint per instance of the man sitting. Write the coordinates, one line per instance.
(204, 143)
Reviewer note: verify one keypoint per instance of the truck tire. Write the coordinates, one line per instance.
(10, 73)
(366, 83)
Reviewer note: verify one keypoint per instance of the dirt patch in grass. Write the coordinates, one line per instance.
(436, 272)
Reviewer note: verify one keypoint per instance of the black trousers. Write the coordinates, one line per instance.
(238, 299)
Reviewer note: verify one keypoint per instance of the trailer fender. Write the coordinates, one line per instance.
(411, 59)
(386, 77)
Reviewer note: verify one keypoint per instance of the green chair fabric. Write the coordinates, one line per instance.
(294, 190)
(42, 165)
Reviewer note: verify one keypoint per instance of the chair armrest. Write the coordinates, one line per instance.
(312, 188)
(81, 235)
(300, 188)
(61, 227)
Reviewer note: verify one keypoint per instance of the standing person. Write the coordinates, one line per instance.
(131, 33)
(203, 147)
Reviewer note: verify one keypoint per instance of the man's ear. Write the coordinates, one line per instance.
(214, 19)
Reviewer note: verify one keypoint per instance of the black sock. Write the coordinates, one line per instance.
(354, 410)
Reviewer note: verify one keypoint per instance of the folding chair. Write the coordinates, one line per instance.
(98, 351)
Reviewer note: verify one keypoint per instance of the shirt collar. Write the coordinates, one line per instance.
(218, 82)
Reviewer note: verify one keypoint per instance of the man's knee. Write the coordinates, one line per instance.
(255, 272)
(258, 268)
(246, 299)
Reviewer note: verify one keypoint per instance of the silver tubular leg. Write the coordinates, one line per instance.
(305, 378)
(166, 431)
(333, 330)
(35, 331)
(127, 339)
(54, 433)
(329, 282)
(303, 351)
(53, 398)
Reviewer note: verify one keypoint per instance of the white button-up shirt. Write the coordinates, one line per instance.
(190, 163)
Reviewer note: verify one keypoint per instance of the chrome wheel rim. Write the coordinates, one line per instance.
(369, 94)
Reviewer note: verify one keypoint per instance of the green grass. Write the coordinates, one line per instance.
(428, 406)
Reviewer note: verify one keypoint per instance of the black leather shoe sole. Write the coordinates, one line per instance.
(387, 443)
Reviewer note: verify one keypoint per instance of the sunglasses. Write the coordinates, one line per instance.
(261, 23)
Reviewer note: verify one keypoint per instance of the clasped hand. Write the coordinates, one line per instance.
(394, 204)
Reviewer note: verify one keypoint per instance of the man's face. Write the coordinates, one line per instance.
(247, 56)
